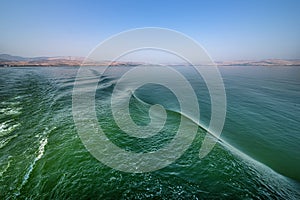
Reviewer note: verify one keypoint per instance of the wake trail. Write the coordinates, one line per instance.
(222, 142)
(40, 153)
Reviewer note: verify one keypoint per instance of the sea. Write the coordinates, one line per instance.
(257, 155)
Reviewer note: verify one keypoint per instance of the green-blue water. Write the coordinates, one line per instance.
(42, 157)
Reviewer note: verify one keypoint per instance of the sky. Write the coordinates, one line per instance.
(228, 30)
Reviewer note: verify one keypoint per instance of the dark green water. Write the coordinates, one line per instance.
(42, 157)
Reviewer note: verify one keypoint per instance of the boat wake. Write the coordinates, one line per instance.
(248, 159)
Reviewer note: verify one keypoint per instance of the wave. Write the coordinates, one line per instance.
(225, 144)
(199, 124)
(6, 167)
(10, 111)
(5, 141)
(6, 128)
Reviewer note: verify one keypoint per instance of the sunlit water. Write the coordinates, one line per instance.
(42, 156)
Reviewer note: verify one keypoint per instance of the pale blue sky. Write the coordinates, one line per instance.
(256, 29)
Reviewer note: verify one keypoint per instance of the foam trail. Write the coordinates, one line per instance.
(41, 151)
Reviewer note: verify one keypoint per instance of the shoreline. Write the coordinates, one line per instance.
(133, 65)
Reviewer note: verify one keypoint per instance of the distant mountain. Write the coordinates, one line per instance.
(9, 60)
(7, 57)
(267, 62)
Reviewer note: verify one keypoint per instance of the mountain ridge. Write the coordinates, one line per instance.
(7, 60)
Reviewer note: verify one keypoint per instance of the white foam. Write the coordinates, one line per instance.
(14, 103)
(10, 111)
(41, 148)
(5, 128)
(40, 154)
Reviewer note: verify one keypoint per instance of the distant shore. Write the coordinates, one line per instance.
(7, 60)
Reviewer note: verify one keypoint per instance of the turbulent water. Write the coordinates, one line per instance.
(42, 156)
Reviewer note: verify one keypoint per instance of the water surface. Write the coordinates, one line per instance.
(41, 155)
